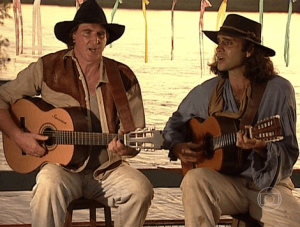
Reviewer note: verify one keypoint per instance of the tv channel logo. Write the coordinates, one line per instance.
(269, 199)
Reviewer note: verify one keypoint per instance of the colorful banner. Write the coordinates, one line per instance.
(18, 21)
(204, 4)
(221, 14)
(172, 25)
(261, 18)
(78, 3)
(36, 27)
(144, 3)
(114, 10)
(287, 35)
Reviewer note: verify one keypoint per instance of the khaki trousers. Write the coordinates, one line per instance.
(126, 189)
(208, 194)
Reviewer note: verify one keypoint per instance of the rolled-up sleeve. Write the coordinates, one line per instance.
(283, 154)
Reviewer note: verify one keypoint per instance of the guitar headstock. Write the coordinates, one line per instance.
(145, 139)
(267, 130)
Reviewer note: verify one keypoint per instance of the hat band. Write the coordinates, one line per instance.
(249, 34)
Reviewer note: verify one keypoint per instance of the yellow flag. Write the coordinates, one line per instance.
(221, 16)
(144, 3)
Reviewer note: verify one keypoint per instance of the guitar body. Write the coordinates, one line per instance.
(228, 160)
(34, 116)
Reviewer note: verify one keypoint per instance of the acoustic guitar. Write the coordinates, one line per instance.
(218, 136)
(68, 134)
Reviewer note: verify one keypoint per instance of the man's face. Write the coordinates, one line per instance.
(230, 54)
(90, 41)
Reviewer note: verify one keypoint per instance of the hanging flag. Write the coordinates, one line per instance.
(287, 35)
(78, 3)
(36, 27)
(203, 5)
(221, 14)
(18, 21)
(261, 18)
(114, 12)
(172, 25)
(144, 3)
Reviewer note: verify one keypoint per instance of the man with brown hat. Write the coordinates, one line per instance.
(107, 97)
(231, 168)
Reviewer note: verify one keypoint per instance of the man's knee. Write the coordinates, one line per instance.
(198, 177)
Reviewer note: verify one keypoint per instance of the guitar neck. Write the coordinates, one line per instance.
(225, 140)
(81, 138)
(267, 130)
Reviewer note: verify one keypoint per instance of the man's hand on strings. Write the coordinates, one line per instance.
(189, 152)
(31, 143)
(244, 142)
(118, 148)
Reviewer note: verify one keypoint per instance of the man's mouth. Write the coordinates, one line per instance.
(93, 50)
(219, 59)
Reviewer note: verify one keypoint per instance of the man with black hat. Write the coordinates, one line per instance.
(107, 95)
(227, 169)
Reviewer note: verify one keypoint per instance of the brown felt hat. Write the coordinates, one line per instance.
(89, 12)
(236, 25)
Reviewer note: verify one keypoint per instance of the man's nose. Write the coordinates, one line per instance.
(96, 39)
(220, 45)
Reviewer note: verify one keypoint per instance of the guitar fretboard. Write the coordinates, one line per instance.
(224, 141)
(81, 138)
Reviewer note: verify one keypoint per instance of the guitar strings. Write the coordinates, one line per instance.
(80, 138)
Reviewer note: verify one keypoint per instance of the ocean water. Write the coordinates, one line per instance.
(164, 82)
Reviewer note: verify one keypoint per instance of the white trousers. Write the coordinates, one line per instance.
(126, 189)
(208, 194)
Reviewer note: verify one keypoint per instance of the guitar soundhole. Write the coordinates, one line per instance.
(208, 146)
(49, 130)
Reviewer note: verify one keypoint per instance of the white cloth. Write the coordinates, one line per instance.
(207, 195)
(126, 189)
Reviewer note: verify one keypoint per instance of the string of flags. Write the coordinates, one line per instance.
(172, 27)
(18, 25)
(286, 54)
(37, 28)
(78, 3)
(204, 4)
(144, 3)
(114, 10)
(287, 34)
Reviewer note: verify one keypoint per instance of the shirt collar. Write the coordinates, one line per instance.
(103, 75)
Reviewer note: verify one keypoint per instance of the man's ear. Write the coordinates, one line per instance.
(250, 51)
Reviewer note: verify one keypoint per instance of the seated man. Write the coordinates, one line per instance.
(248, 90)
(81, 77)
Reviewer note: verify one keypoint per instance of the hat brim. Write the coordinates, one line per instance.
(62, 31)
(213, 36)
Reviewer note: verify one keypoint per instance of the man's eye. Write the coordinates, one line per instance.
(228, 43)
(101, 35)
(86, 32)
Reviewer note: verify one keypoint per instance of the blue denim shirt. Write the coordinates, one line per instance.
(278, 99)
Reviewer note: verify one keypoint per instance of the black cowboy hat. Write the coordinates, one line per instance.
(89, 12)
(236, 25)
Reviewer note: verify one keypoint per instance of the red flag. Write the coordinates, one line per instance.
(204, 4)
(18, 17)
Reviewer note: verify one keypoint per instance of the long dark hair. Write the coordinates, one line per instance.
(258, 67)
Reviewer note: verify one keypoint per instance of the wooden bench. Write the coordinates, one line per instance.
(160, 178)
